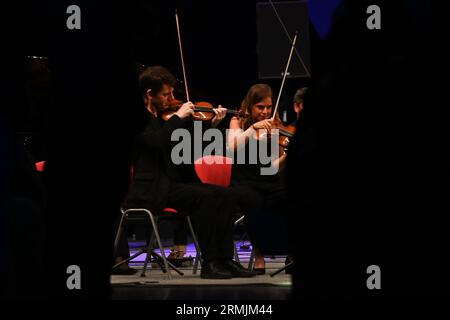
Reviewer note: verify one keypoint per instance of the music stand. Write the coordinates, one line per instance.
(282, 269)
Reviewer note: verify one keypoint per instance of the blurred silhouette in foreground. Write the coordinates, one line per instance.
(366, 166)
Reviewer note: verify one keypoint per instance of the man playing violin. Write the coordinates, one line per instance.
(165, 102)
(163, 99)
(157, 183)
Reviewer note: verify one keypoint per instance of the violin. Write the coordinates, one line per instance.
(284, 133)
(203, 111)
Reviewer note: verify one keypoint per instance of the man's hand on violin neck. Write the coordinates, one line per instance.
(186, 110)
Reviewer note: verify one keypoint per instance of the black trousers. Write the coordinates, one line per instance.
(212, 209)
(265, 207)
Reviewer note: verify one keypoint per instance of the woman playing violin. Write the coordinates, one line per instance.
(258, 194)
(258, 105)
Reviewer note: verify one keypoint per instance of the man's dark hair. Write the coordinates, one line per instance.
(154, 78)
(300, 94)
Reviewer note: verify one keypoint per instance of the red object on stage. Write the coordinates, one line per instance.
(214, 170)
(40, 166)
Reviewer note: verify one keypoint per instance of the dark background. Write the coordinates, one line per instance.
(219, 44)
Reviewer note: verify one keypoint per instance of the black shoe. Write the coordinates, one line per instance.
(214, 270)
(124, 271)
(259, 271)
(237, 270)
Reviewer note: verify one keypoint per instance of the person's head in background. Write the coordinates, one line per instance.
(298, 100)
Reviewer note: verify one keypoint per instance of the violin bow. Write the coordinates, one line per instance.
(289, 38)
(181, 54)
(284, 76)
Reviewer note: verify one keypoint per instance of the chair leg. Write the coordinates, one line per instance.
(158, 240)
(158, 259)
(148, 256)
(236, 223)
(282, 269)
(198, 255)
(241, 219)
(150, 247)
(119, 232)
(251, 261)
(128, 259)
(236, 255)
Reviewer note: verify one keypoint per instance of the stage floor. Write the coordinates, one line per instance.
(156, 285)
